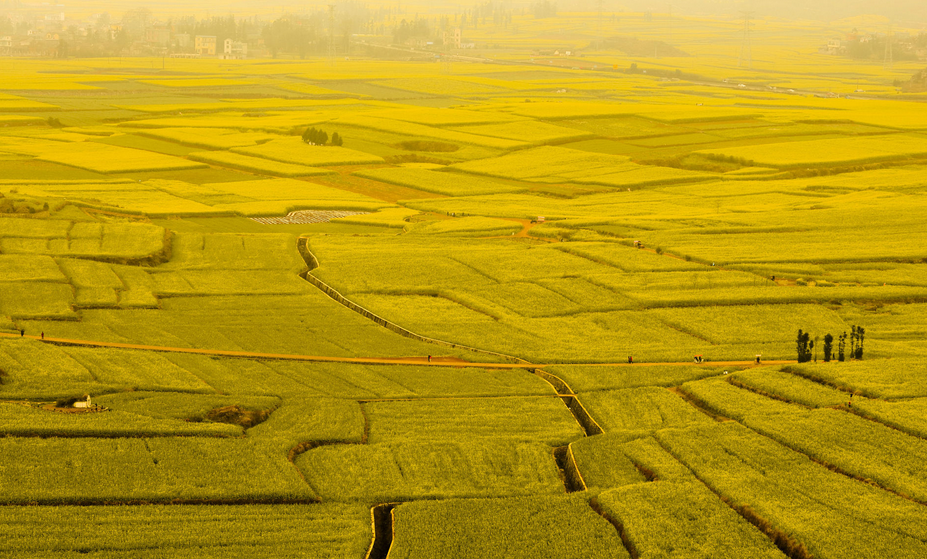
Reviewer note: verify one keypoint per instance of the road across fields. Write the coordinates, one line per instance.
(421, 361)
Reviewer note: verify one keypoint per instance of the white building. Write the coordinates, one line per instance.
(83, 403)
(234, 50)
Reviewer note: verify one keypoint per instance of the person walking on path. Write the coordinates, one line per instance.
(429, 359)
(22, 333)
(43, 335)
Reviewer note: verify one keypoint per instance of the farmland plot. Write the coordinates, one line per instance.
(883, 378)
(37, 300)
(113, 241)
(156, 470)
(547, 164)
(863, 448)
(516, 528)
(451, 184)
(790, 387)
(466, 227)
(733, 324)
(907, 416)
(625, 458)
(181, 405)
(725, 399)
(255, 164)
(849, 151)
(542, 420)
(527, 130)
(25, 267)
(317, 531)
(212, 139)
(294, 150)
(430, 470)
(23, 421)
(114, 159)
(640, 409)
(684, 520)
(315, 420)
(832, 515)
(420, 130)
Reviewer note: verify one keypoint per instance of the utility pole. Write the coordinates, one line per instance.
(745, 53)
(598, 22)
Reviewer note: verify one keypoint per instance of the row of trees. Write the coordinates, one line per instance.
(319, 31)
(805, 345)
(316, 137)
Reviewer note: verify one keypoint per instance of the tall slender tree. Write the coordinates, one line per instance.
(828, 347)
(860, 336)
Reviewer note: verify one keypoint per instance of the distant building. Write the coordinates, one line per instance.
(183, 40)
(836, 46)
(455, 39)
(160, 35)
(234, 50)
(6, 45)
(205, 45)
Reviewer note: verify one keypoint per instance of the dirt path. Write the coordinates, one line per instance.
(436, 361)
(526, 226)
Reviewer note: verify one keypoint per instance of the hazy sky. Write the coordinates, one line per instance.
(901, 11)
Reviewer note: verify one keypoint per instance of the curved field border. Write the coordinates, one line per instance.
(312, 262)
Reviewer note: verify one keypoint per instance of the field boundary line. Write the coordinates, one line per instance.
(569, 398)
(312, 262)
(618, 525)
(575, 466)
(572, 483)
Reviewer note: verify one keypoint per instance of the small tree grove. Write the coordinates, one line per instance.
(805, 345)
(316, 137)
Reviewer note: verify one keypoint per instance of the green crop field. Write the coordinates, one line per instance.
(540, 296)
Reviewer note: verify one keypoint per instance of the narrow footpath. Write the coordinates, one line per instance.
(436, 361)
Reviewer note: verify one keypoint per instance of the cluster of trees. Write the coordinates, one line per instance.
(406, 30)
(297, 34)
(315, 137)
(544, 8)
(805, 345)
(479, 14)
(874, 47)
(7, 27)
(11, 206)
(317, 32)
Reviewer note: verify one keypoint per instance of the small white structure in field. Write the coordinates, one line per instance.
(83, 403)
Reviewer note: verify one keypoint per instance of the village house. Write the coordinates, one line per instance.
(234, 50)
(205, 45)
